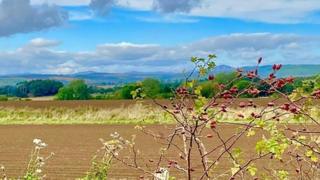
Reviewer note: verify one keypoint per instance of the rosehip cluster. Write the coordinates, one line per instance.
(251, 74)
(316, 94)
(280, 83)
(277, 67)
(227, 95)
(290, 79)
(287, 107)
(253, 91)
(182, 91)
(254, 115)
(233, 90)
(223, 108)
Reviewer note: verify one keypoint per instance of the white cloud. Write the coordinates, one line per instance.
(39, 55)
(41, 42)
(278, 11)
(255, 41)
(62, 2)
(18, 16)
(273, 11)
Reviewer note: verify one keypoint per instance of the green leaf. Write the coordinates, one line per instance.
(252, 170)
(282, 175)
(212, 56)
(251, 133)
(194, 59)
(236, 152)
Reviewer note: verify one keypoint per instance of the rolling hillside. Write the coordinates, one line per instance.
(119, 78)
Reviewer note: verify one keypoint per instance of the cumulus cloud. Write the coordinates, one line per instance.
(255, 41)
(62, 2)
(273, 11)
(41, 42)
(170, 6)
(101, 7)
(39, 55)
(18, 16)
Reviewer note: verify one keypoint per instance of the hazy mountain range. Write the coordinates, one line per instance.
(119, 78)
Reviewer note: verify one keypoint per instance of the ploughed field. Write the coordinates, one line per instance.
(75, 145)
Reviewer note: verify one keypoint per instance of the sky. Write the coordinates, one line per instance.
(117, 36)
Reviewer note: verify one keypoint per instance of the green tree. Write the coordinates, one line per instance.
(242, 84)
(125, 92)
(76, 90)
(224, 78)
(151, 87)
(65, 93)
(209, 89)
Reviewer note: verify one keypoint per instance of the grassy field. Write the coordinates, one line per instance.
(46, 102)
(104, 112)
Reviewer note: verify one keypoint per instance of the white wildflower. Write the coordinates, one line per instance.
(43, 144)
(37, 141)
(41, 164)
(38, 171)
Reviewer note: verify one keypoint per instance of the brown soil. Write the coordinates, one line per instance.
(75, 145)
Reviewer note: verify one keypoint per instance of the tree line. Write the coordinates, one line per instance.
(152, 88)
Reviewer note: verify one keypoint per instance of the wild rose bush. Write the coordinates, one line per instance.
(286, 132)
(288, 144)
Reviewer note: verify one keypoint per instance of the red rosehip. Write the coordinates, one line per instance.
(234, 90)
(209, 135)
(242, 104)
(316, 94)
(285, 107)
(213, 124)
(271, 104)
(290, 80)
(211, 77)
(251, 75)
(277, 67)
(271, 76)
(253, 91)
(259, 60)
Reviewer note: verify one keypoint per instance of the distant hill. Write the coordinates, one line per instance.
(289, 70)
(119, 78)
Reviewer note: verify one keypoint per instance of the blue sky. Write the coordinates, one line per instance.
(69, 36)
